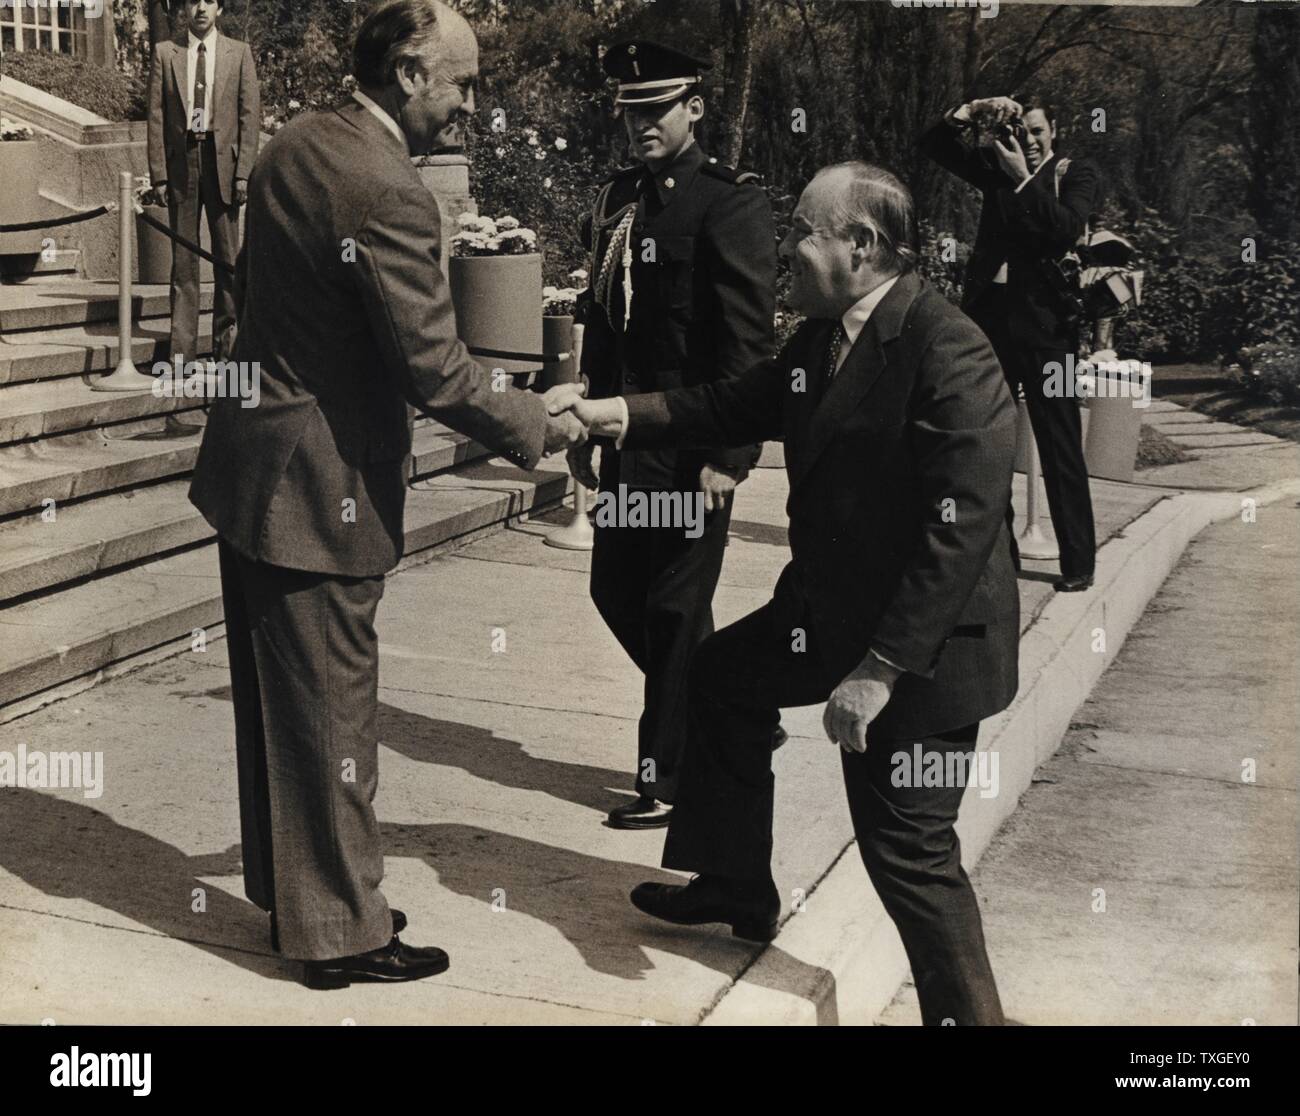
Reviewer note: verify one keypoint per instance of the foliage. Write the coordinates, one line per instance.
(112, 95)
(1271, 370)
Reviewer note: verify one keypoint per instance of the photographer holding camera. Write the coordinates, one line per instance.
(1019, 289)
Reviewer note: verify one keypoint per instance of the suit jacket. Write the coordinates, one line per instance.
(234, 113)
(702, 305)
(900, 477)
(343, 304)
(1027, 231)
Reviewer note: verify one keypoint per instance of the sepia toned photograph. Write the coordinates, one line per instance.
(649, 513)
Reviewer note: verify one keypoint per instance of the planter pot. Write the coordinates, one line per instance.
(20, 200)
(557, 337)
(153, 248)
(498, 301)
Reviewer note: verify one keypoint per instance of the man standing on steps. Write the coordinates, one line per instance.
(683, 278)
(204, 114)
(346, 313)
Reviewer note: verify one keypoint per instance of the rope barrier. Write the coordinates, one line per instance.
(51, 223)
(184, 243)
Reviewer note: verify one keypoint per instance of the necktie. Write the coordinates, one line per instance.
(200, 91)
(833, 353)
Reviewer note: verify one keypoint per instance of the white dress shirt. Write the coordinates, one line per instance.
(368, 103)
(209, 42)
(855, 318)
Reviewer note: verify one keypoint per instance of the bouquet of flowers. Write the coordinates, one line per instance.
(564, 300)
(483, 236)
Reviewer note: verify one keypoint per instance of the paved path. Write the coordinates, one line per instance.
(1147, 809)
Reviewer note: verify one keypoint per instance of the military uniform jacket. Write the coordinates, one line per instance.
(703, 273)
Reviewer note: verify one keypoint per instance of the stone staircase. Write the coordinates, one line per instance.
(104, 563)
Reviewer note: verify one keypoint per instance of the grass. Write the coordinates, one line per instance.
(1212, 391)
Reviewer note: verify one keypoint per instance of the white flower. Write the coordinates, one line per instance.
(539, 154)
(505, 224)
(561, 144)
(578, 275)
(467, 220)
(532, 139)
(550, 292)
(294, 105)
(546, 183)
(500, 152)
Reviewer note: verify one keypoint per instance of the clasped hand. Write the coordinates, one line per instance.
(564, 428)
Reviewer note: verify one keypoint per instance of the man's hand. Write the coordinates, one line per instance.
(581, 465)
(717, 484)
(160, 194)
(857, 701)
(602, 417)
(241, 191)
(563, 432)
(994, 110)
(1011, 159)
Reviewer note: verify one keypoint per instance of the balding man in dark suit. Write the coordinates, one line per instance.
(346, 311)
(899, 604)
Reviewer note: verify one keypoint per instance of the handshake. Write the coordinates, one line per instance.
(571, 418)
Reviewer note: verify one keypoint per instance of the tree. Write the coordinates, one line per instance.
(1274, 102)
(738, 18)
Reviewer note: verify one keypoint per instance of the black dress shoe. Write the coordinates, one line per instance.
(641, 813)
(390, 964)
(399, 924)
(1076, 583)
(751, 909)
(779, 737)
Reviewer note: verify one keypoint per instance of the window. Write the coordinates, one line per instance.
(55, 25)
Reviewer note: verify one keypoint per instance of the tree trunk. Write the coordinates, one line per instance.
(1274, 194)
(738, 20)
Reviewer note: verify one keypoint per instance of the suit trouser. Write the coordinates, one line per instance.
(304, 674)
(202, 191)
(741, 677)
(653, 587)
(1058, 433)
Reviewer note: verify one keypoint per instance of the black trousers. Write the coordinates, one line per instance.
(304, 678)
(740, 679)
(202, 193)
(653, 587)
(1058, 433)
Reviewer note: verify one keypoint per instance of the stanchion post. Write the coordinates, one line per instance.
(577, 533)
(1033, 542)
(125, 377)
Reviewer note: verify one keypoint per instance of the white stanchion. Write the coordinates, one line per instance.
(1034, 542)
(577, 534)
(125, 377)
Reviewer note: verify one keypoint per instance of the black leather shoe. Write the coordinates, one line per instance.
(1074, 584)
(641, 813)
(751, 909)
(390, 964)
(779, 737)
(399, 924)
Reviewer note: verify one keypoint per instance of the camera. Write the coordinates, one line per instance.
(1012, 129)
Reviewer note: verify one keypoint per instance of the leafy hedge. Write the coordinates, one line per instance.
(112, 95)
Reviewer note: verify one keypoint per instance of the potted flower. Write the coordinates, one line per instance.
(495, 274)
(153, 247)
(20, 200)
(558, 307)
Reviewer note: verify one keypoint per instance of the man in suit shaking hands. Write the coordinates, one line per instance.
(899, 604)
(204, 114)
(346, 312)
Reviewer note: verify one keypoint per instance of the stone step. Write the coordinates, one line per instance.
(48, 407)
(91, 536)
(76, 634)
(39, 304)
(61, 264)
(46, 354)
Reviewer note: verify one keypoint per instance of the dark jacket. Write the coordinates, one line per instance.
(900, 479)
(1026, 230)
(704, 282)
(234, 113)
(345, 308)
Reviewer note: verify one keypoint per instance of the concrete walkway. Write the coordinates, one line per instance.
(1149, 874)
(507, 729)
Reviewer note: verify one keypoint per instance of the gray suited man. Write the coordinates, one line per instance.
(345, 309)
(204, 113)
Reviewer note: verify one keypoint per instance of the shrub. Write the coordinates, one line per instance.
(110, 94)
(1271, 370)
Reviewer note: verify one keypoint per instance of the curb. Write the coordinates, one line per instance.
(842, 932)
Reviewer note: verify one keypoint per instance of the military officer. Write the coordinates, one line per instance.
(682, 277)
